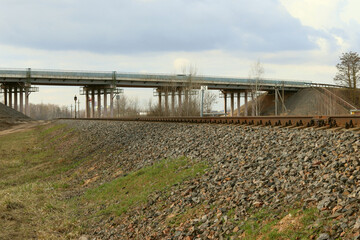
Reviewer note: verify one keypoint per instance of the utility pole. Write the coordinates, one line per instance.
(75, 99)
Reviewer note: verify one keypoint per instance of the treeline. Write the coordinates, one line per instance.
(123, 107)
(49, 111)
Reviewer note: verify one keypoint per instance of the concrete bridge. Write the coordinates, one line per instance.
(19, 82)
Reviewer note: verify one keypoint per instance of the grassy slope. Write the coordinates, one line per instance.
(39, 197)
(36, 178)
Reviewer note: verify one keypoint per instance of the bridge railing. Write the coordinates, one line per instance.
(108, 75)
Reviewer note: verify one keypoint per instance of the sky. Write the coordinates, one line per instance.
(293, 39)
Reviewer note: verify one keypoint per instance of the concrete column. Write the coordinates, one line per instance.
(105, 103)
(5, 96)
(173, 103)
(166, 103)
(27, 109)
(92, 103)
(238, 104)
(16, 98)
(179, 102)
(10, 97)
(159, 102)
(99, 103)
(112, 102)
(21, 100)
(232, 104)
(87, 103)
(246, 103)
(225, 104)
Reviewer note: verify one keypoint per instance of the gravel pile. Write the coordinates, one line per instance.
(249, 168)
(9, 117)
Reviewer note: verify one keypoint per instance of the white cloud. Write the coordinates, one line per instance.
(180, 63)
(351, 11)
(319, 14)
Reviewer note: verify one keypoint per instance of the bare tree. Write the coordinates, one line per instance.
(210, 99)
(348, 70)
(48, 111)
(191, 103)
(256, 73)
(125, 107)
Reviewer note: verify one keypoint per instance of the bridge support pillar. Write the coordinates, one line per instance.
(238, 104)
(87, 103)
(173, 102)
(225, 103)
(111, 102)
(16, 98)
(99, 103)
(10, 97)
(246, 103)
(232, 104)
(21, 100)
(179, 103)
(92, 103)
(27, 109)
(166, 102)
(94, 92)
(5, 96)
(105, 103)
(159, 101)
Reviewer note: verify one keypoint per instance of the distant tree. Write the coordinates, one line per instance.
(348, 70)
(48, 111)
(125, 107)
(210, 99)
(256, 73)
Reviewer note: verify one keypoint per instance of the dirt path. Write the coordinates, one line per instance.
(23, 127)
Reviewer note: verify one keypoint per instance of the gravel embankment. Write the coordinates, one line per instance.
(249, 168)
(10, 117)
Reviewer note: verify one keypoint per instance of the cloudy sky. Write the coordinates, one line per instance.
(293, 39)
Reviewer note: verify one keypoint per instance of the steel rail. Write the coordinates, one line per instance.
(346, 121)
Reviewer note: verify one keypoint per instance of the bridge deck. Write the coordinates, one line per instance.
(82, 78)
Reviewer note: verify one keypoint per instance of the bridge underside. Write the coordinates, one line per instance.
(104, 86)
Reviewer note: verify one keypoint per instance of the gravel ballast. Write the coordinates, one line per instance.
(249, 168)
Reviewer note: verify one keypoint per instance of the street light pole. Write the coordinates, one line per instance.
(75, 99)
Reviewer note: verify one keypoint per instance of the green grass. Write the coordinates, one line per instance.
(271, 224)
(122, 193)
(32, 155)
(41, 168)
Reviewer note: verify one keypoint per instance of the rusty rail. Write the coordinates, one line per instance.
(346, 121)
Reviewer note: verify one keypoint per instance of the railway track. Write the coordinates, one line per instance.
(346, 121)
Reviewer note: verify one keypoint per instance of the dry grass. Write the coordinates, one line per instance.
(40, 185)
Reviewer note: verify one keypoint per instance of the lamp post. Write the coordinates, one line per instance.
(75, 99)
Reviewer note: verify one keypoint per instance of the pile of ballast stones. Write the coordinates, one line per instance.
(249, 168)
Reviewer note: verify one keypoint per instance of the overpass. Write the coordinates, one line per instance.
(19, 82)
